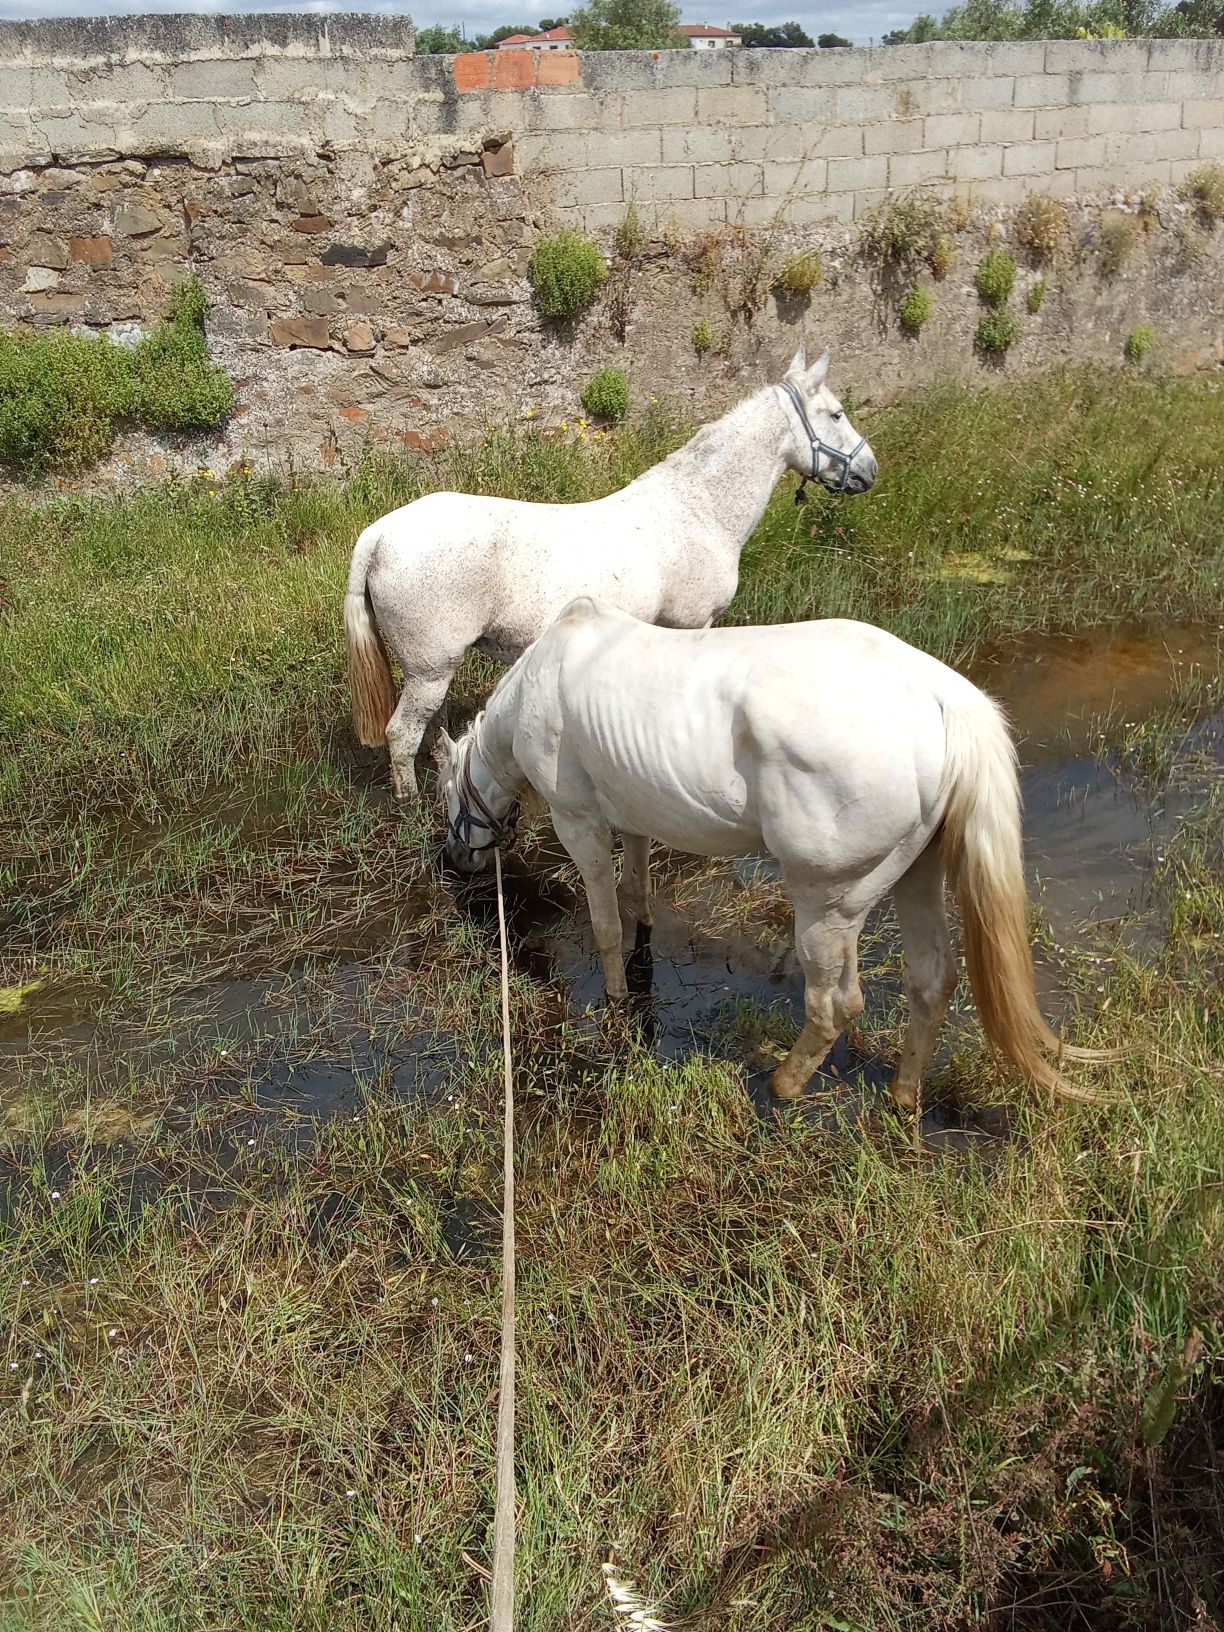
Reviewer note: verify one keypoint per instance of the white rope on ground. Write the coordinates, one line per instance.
(501, 1616)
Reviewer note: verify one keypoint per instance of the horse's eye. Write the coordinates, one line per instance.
(840, 414)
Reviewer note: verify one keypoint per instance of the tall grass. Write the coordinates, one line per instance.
(797, 1378)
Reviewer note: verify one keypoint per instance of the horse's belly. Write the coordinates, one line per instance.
(678, 823)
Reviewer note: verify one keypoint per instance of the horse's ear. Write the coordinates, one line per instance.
(819, 372)
(798, 362)
(449, 747)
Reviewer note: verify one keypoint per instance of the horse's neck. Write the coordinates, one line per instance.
(726, 474)
(495, 737)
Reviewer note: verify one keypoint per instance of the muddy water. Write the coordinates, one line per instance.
(722, 962)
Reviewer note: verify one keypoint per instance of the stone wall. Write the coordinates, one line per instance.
(363, 219)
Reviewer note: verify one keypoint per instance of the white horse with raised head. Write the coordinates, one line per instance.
(863, 765)
(455, 570)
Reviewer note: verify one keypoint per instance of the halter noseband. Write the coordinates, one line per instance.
(499, 828)
(845, 460)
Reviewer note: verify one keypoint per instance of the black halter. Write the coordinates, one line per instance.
(845, 460)
(501, 829)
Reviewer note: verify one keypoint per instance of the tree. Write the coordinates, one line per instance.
(436, 40)
(772, 34)
(486, 42)
(553, 22)
(627, 25)
(831, 42)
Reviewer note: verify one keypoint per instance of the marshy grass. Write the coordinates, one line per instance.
(793, 1376)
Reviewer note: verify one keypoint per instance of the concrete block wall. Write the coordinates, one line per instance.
(709, 138)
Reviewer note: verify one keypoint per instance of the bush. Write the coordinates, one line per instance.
(1035, 299)
(997, 333)
(1139, 342)
(1119, 235)
(1042, 227)
(800, 275)
(996, 277)
(942, 257)
(703, 336)
(900, 232)
(565, 272)
(1204, 188)
(63, 397)
(630, 236)
(1192, 244)
(915, 309)
(607, 396)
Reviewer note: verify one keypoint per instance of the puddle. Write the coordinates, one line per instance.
(298, 1044)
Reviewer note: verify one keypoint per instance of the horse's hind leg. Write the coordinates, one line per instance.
(930, 969)
(420, 700)
(828, 954)
(635, 880)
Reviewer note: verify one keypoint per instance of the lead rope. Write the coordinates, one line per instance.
(501, 1616)
(627, 1602)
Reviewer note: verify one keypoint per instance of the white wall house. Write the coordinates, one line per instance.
(705, 38)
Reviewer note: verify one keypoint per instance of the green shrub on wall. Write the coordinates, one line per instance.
(566, 272)
(996, 277)
(997, 333)
(1139, 342)
(607, 396)
(64, 396)
(915, 310)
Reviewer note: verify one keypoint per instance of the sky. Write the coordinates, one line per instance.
(861, 22)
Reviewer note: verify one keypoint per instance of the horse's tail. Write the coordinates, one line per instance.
(371, 688)
(982, 852)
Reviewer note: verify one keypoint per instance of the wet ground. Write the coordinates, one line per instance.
(288, 1047)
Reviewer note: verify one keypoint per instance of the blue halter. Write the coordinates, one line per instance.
(845, 460)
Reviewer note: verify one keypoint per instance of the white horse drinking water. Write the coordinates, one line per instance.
(863, 765)
(453, 570)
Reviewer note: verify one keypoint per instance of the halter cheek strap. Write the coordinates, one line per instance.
(845, 460)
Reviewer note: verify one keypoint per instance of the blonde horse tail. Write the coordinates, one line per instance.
(982, 852)
(371, 688)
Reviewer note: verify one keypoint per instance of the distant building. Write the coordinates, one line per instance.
(556, 39)
(705, 38)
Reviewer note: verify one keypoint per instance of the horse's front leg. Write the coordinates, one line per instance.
(589, 844)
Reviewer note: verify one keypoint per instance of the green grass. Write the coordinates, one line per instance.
(63, 397)
(796, 1378)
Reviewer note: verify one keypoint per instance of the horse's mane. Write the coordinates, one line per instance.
(705, 434)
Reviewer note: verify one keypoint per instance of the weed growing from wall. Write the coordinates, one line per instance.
(703, 336)
(630, 235)
(1035, 298)
(1043, 227)
(1139, 342)
(997, 333)
(915, 309)
(607, 395)
(942, 258)
(1204, 188)
(799, 275)
(566, 272)
(901, 232)
(996, 277)
(1119, 235)
(63, 397)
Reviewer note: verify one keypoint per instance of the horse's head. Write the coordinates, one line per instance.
(822, 444)
(480, 813)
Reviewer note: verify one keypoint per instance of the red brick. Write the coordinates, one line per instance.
(513, 70)
(311, 223)
(471, 70)
(558, 68)
(354, 414)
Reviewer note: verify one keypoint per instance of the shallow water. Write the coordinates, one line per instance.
(302, 1042)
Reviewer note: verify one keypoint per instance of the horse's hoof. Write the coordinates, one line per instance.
(905, 1099)
(781, 1089)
